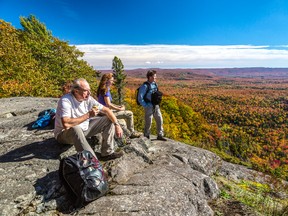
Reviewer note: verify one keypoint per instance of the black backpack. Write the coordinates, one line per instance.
(83, 178)
(156, 97)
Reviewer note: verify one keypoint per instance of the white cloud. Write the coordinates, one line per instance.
(183, 56)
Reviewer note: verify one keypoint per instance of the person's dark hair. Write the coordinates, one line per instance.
(150, 73)
(66, 87)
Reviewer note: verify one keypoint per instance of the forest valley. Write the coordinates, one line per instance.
(242, 119)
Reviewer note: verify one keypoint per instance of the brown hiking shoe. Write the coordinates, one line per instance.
(135, 135)
(112, 156)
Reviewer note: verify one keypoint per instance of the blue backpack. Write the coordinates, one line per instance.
(44, 118)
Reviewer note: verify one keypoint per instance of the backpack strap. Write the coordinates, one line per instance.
(147, 83)
(148, 89)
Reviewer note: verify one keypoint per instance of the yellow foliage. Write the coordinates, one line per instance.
(180, 122)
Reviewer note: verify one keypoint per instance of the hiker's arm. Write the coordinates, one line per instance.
(70, 122)
(113, 106)
(142, 91)
(112, 117)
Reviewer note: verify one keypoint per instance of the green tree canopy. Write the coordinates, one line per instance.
(20, 74)
(35, 63)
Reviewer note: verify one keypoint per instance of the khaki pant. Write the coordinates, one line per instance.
(77, 137)
(127, 115)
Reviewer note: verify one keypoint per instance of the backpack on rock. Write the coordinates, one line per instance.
(83, 178)
(44, 119)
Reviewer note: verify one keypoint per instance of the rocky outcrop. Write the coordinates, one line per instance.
(152, 178)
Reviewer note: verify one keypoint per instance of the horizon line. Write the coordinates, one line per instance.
(186, 56)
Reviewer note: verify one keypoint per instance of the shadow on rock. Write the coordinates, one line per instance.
(46, 149)
(53, 194)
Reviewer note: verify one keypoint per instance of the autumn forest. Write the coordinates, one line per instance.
(240, 116)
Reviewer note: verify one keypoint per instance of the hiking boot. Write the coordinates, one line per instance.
(148, 137)
(161, 138)
(112, 156)
(135, 135)
(128, 141)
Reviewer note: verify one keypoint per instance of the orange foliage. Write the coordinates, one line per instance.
(247, 117)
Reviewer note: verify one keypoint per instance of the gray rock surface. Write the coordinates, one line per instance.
(152, 178)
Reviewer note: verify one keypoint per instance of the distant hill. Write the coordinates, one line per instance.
(250, 72)
(254, 72)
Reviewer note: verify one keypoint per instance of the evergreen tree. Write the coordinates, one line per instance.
(120, 76)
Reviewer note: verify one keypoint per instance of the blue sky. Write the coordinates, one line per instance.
(166, 34)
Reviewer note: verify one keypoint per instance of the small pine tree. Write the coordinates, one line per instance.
(119, 76)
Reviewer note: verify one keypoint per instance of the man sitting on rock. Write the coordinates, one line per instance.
(74, 122)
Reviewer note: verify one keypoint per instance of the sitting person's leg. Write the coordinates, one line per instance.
(127, 115)
(76, 137)
(103, 124)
